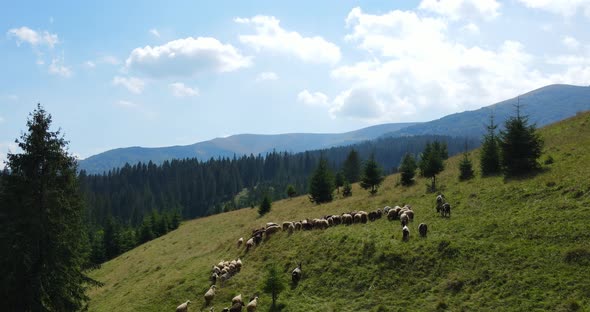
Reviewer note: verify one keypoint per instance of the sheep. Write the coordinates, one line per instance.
(372, 216)
(446, 210)
(440, 199)
(271, 230)
(410, 215)
(209, 295)
(286, 225)
(239, 264)
(236, 307)
(423, 229)
(224, 277)
(363, 216)
(404, 219)
(297, 226)
(183, 307)
(240, 242)
(269, 224)
(296, 274)
(386, 209)
(251, 307)
(406, 233)
(213, 278)
(356, 218)
(392, 215)
(237, 298)
(249, 244)
(347, 219)
(291, 229)
(321, 224)
(337, 219)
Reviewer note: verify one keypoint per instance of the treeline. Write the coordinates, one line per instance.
(128, 197)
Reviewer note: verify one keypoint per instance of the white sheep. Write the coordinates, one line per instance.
(237, 298)
(209, 295)
(406, 233)
(249, 244)
(240, 241)
(296, 274)
(251, 307)
(183, 307)
(404, 219)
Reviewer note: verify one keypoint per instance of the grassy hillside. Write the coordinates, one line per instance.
(517, 245)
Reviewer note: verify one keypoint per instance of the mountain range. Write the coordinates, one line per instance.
(545, 105)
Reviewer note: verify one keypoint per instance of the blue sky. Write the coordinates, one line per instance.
(147, 73)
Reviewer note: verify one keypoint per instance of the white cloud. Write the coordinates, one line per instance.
(155, 32)
(471, 28)
(57, 67)
(186, 57)
(417, 72)
(181, 90)
(357, 103)
(90, 64)
(271, 36)
(563, 7)
(312, 99)
(462, 9)
(109, 59)
(1, 119)
(137, 109)
(570, 42)
(267, 76)
(34, 38)
(133, 84)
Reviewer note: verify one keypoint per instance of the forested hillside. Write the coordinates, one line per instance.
(519, 244)
(126, 199)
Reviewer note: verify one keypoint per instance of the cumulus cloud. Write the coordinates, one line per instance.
(133, 84)
(417, 72)
(570, 42)
(461, 9)
(186, 57)
(267, 76)
(564, 7)
(57, 67)
(34, 38)
(312, 99)
(272, 37)
(179, 89)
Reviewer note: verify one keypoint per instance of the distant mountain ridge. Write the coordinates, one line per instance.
(240, 144)
(545, 105)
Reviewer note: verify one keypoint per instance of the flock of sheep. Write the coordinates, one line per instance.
(224, 270)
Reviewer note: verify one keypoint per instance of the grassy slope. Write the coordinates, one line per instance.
(505, 248)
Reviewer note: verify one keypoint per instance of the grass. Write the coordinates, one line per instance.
(510, 245)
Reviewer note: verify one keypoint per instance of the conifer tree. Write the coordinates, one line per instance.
(490, 151)
(291, 192)
(407, 169)
(265, 206)
(347, 189)
(372, 176)
(520, 145)
(273, 284)
(42, 237)
(321, 185)
(431, 164)
(466, 168)
(352, 167)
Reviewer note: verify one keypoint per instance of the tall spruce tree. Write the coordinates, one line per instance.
(321, 185)
(41, 232)
(431, 164)
(466, 168)
(372, 175)
(352, 167)
(265, 205)
(520, 145)
(407, 169)
(490, 151)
